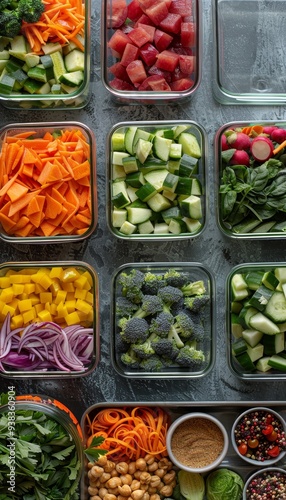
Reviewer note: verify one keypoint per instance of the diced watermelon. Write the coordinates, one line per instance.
(188, 34)
(119, 71)
(154, 81)
(167, 60)
(157, 12)
(118, 84)
(160, 72)
(116, 13)
(139, 36)
(118, 42)
(134, 10)
(150, 30)
(187, 64)
(171, 23)
(136, 72)
(183, 84)
(130, 54)
(144, 20)
(162, 40)
(182, 7)
(148, 54)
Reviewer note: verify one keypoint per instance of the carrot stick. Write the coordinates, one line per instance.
(279, 148)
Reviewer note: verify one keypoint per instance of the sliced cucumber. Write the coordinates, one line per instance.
(72, 78)
(128, 139)
(130, 164)
(262, 364)
(158, 203)
(161, 147)
(261, 298)
(190, 144)
(193, 225)
(239, 346)
(245, 361)
(280, 273)
(58, 65)
(273, 344)
(256, 352)
(263, 324)
(137, 215)
(146, 227)
(253, 337)
(140, 134)
(236, 327)
(74, 60)
(117, 157)
(254, 279)
(277, 362)
(192, 207)
(119, 216)
(276, 307)
(157, 178)
(177, 226)
(188, 166)
(136, 179)
(270, 280)
(127, 228)
(143, 149)
(146, 191)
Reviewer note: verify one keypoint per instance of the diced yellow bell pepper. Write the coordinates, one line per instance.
(5, 281)
(72, 318)
(39, 288)
(60, 296)
(89, 297)
(29, 316)
(53, 309)
(19, 278)
(29, 288)
(62, 310)
(88, 276)
(7, 294)
(80, 293)
(17, 321)
(45, 315)
(39, 307)
(45, 281)
(18, 288)
(56, 272)
(70, 305)
(69, 275)
(68, 287)
(8, 309)
(81, 282)
(47, 306)
(83, 306)
(55, 286)
(25, 305)
(46, 297)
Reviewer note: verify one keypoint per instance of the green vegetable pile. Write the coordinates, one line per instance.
(224, 484)
(161, 320)
(12, 13)
(39, 454)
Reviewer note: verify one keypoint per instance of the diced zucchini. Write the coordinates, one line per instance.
(137, 215)
(140, 134)
(58, 65)
(170, 182)
(46, 60)
(143, 149)
(262, 364)
(190, 144)
(261, 298)
(130, 164)
(128, 139)
(171, 213)
(158, 203)
(161, 228)
(255, 352)
(239, 346)
(252, 337)
(51, 47)
(157, 178)
(280, 273)
(131, 192)
(146, 191)
(273, 344)
(270, 280)
(236, 307)
(178, 129)
(161, 147)
(245, 361)
(175, 151)
(146, 227)
(38, 74)
(119, 216)
(72, 78)
(276, 307)
(127, 228)
(177, 226)
(74, 61)
(263, 324)
(33, 60)
(117, 157)
(188, 166)
(192, 224)
(277, 362)
(238, 287)
(184, 186)
(18, 45)
(196, 187)
(32, 86)
(117, 141)
(253, 279)
(191, 207)
(136, 179)
(118, 172)
(6, 84)
(4, 55)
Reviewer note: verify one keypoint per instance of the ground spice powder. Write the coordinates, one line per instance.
(197, 442)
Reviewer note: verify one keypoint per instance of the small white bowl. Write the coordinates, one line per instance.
(264, 463)
(187, 422)
(261, 472)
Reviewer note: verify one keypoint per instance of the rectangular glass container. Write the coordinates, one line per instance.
(74, 93)
(254, 327)
(249, 196)
(192, 181)
(205, 343)
(62, 293)
(84, 185)
(249, 62)
(178, 31)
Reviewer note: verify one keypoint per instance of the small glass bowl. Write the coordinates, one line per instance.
(177, 81)
(192, 431)
(59, 295)
(270, 478)
(70, 97)
(82, 228)
(259, 347)
(256, 222)
(263, 436)
(195, 272)
(248, 56)
(195, 180)
(55, 412)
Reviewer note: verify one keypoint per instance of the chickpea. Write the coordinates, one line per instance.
(124, 490)
(152, 467)
(160, 472)
(155, 497)
(151, 490)
(145, 477)
(144, 486)
(137, 494)
(132, 467)
(169, 477)
(149, 459)
(109, 466)
(122, 467)
(114, 473)
(102, 461)
(113, 491)
(92, 491)
(141, 464)
(173, 483)
(105, 476)
(137, 474)
(113, 482)
(102, 492)
(109, 496)
(135, 485)
(164, 463)
(166, 491)
(93, 484)
(154, 481)
(94, 497)
(96, 471)
(146, 496)
(90, 465)
(126, 479)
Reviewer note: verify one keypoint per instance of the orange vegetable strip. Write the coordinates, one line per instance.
(279, 148)
(16, 191)
(20, 135)
(21, 203)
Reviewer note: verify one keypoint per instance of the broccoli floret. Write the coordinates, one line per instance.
(161, 324)
(131, 285)
(184, 325)
(151, 304)
(162, 347)
(197, 302)
(152, 364)
(152, 282)
(144, 349)
(130, 359)
(124, 307)
(198, 332)
(10, 23)
(169, 295)
(121, 344)
(134, 329)
(176, 278)
(174, 336)
(4, 4)
(30, 10)
(194, 288)
(190, 357)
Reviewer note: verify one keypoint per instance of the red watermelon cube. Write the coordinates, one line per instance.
(182, 84)
(118, 42)
(148, 54)
(139, 36)
(188, 34)
(130, 54)
(187, 64)
(171, 23)
(162, 40)
(157, 12)
(167, 60)
(150, 30)
(134, 10)
(136, 72)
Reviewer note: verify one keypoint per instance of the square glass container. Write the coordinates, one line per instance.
(250, 178)
(249, 63)
(176, 206)
(255, 325)
(157, 64)
(59, 297)
(66, 61)
(66, 208)
(201, 325)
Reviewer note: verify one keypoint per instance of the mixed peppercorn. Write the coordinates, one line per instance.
(267, 485)
(260, 436)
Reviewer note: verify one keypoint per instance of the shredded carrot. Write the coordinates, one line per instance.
(45, 184)
(279, 148)
(130, 433)
(61, 21)
(252, 130)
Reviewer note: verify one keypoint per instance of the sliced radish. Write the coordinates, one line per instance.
(262, 148)
(240, 157)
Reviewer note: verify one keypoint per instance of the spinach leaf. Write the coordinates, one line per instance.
(228, 202)
(257, 177)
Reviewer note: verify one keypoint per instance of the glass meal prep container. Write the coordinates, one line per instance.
(157, 182)
(48, 182)
(225, 412)
(49, 313)
(250, 179)
(256, 321)
(52, 429)
(249, 63)
(150, 53)
(174, 337)
(54, 75)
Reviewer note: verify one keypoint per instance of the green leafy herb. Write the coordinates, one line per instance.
(93, 453)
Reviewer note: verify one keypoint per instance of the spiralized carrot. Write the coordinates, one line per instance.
(130, 433)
